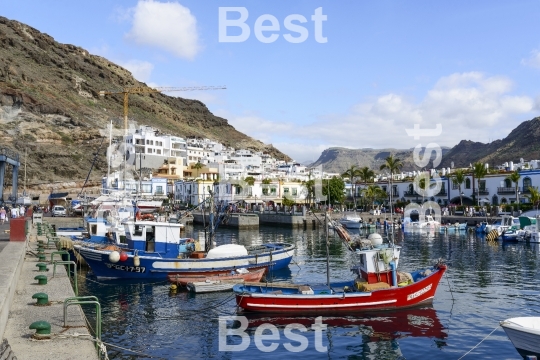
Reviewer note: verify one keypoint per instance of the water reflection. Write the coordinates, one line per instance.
(486, 282)
(370, 336)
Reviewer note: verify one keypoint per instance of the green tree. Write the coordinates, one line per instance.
(534, 197)
(309, 186)
(197, 166)
(393, 165)
(373, 193)
(458, 178)
(336, 186)
(479, 172)
(287, 202)
(352, 173)
(250, 180)
(514, 177)
(366, 175)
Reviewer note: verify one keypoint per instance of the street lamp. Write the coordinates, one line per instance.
(518, 193)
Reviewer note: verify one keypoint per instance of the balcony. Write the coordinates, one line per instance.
(410, 193)
(507, 190)
(395, 194)
(442, 192)
(483, 192)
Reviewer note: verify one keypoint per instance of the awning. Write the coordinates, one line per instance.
(253, 201)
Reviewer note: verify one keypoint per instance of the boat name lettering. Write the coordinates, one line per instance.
(418, 293)
(139, 269)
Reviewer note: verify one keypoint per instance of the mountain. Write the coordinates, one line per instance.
(50, 105)
(522, 142)
(337, 160)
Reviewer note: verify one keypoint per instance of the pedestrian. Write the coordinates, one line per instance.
(14, 212)
(2, 215)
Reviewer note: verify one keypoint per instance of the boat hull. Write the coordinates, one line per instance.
(157, 267)
(183, 279)
(416, 294)
(525, 340)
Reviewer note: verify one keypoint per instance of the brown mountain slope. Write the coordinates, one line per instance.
(50, 104)
(340, 159)
(522, 142)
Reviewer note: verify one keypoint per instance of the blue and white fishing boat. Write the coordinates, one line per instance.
(154, 250)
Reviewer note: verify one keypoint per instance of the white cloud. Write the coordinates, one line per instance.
(533, 60)
(141, 70)
(169, 26)
(470, 106)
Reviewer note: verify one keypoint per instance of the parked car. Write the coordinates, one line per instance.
(58, 210)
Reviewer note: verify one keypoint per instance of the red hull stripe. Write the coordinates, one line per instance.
(323, 306)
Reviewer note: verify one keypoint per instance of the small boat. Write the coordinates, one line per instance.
(347, 297)
(239, 274)
(212, 285)
(524, 333)
(421, 224)
(351, 221)
(377, 286)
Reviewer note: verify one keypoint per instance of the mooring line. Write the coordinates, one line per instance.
(481, 341)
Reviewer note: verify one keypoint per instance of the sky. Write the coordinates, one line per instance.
(307, 75)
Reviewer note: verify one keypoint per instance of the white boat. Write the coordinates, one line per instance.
(213, 285)
(524, 332)
(427, 223)
(351, 221)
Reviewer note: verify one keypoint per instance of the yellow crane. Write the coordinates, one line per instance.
(145, 89)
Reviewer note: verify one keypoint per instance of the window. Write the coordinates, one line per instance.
(285, 190)
(526, 183)
(273, 191)
(455, 185)
(295, 192)
(159, 190)
(138, 230)
(467, 183)
(483, 185)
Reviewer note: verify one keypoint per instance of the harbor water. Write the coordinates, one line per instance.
(485, 284)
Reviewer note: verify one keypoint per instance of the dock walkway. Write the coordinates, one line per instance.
(18, 310)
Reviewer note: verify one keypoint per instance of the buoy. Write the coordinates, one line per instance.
(173, 287)
(375, 239)
(114, 256)
(136, 260)
(123, 256)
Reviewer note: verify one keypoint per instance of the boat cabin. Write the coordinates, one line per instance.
(155, 237)
(374, 260)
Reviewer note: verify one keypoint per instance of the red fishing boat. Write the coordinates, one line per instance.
(249, 275)
(377, 286)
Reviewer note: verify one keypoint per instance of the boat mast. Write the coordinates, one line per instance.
(327, 250)
(109, 155)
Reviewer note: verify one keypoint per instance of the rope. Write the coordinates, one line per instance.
(479, 343)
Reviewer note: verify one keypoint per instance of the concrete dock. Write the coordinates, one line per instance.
(18, 310)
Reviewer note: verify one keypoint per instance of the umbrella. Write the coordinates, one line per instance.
(483, 201)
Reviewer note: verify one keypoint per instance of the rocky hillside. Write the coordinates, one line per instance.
(522, 142)
(340, 159)
(50, 105)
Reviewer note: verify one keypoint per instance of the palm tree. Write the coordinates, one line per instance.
(458, 178)
(393, 165)
(352, 173)
(366, 175)
(371, 193)
(534, 197)
(514, 177)
(479, 172)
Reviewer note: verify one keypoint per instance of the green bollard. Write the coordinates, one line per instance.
(42, 299)
(43, 329)
(42, 267)
(41, 257)
(42, 279)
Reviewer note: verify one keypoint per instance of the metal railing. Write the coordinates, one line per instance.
(507, 190)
